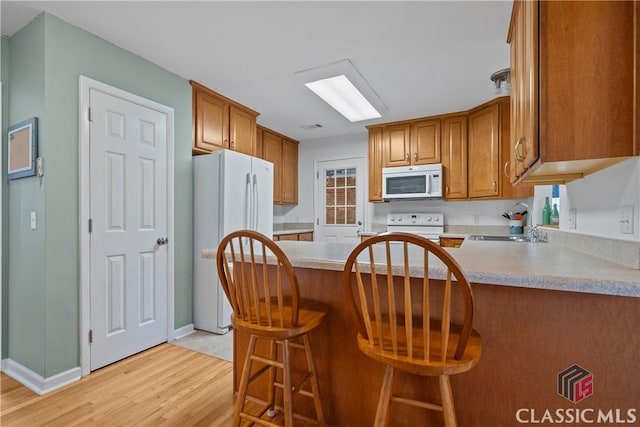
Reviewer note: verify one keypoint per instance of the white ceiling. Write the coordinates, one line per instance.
(421, 57)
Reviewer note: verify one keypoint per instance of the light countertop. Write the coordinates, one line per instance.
(293, 231)
(520, 264)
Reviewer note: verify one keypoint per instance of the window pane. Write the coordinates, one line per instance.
(351, 177)
(330, 216)
(331, 197)
(351, 196)
(340, 177)
(340, 215)
(351, 215)
(340, 201)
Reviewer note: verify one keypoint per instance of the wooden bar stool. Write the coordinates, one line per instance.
(400, 324)
(271, 310)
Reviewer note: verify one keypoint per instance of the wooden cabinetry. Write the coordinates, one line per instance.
(489, 153)
(586, 115)
(396, 145)
(411, 143)
(451, 242)
(283, 153)
(219, 123)
(302, 237)
(454, 157)
(375, 164)
(289, 171)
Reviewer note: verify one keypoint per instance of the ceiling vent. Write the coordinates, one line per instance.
(313, 126)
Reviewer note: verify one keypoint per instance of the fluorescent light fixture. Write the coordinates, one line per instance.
(342, 95)
(340, 85)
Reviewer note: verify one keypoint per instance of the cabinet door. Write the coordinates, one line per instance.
(242, 131)
(211, 122)
(396, 145)
(483, 152)
(524, 88)
(425, 142)
(289, 172)
(272, 152)
(305, 237)
(259, 148)
(375, 164)
(454, 157)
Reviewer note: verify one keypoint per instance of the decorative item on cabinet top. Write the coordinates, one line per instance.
(219, 123)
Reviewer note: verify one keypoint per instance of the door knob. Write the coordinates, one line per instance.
(359, 222)
(162, 241)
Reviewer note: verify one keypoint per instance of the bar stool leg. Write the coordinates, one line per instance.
(244, 382)
(448, 409)
(382, 413)
(287, 394)
(315, 389)
(272, 379)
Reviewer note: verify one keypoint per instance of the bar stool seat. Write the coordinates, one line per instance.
(269, 309)
(400, 321)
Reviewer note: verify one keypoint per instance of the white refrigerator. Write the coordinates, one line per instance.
(231, 191)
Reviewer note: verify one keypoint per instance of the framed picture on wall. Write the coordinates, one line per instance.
(22, 149)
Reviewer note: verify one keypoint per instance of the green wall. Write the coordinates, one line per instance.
(4, 77)
(44, 302)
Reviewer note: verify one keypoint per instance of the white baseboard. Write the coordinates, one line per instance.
(35, 382)
(184, 331)
(3, 365)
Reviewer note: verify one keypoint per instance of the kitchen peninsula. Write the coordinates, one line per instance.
(540, 309)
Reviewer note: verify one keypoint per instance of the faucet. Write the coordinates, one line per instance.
(532, 231)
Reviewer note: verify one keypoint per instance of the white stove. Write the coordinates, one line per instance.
(429, 225)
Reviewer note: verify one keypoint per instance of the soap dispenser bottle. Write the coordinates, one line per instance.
(546, 212)
(555, 216)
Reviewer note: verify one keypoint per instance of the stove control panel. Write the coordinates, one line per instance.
(420, 219)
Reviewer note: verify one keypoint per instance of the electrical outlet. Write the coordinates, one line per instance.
(626, 219)
(476, 219)
(571, 220)
(33, 220)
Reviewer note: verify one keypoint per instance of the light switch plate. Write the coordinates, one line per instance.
(33, 220)
(626, 219)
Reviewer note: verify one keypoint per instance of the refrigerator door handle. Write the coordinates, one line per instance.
(255, 202)
(248, 203)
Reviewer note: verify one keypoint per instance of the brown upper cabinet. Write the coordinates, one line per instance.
(489, 153)
(411, 143)
(375, 164)
(581, 58)
(283, 153)
(454, 157)
(473, 147)
(219, 122)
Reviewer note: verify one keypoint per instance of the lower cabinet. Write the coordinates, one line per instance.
(451, 242)
(302, 237)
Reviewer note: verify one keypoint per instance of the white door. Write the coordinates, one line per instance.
(340, 202)
(128, 211)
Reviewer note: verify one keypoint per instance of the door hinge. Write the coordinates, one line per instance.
(317, 175)
(317, 221)
(90, 225)
(90, 336)
(89, 114)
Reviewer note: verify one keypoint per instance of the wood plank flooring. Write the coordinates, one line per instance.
(166, 385)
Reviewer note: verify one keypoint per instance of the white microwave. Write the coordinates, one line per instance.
(412, 182)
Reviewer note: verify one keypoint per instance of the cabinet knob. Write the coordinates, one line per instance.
(225, 143)
(415, 156)
(408, 157)
(493, 185)
(446, 190)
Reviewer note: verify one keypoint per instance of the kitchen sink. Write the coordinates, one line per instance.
(503, 238)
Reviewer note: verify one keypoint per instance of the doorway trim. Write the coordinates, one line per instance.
(86, 84)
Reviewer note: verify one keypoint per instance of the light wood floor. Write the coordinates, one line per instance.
(166, 385)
